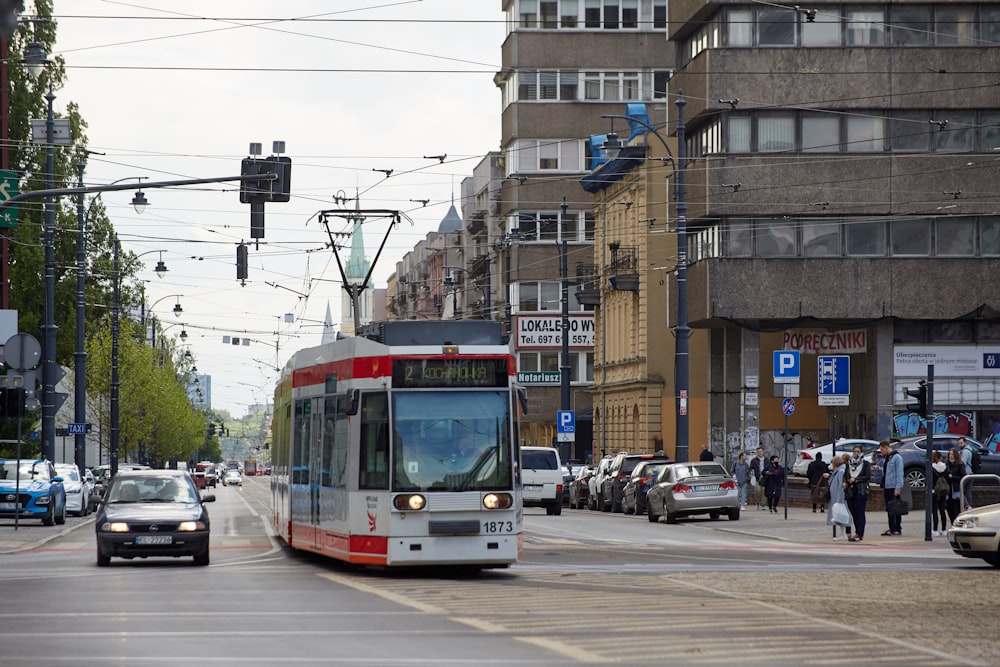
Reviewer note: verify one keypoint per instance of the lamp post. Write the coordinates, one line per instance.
(564, 367)
(177, 310)
(451, 282)
(682, 331)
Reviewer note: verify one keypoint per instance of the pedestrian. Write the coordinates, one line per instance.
(954, 472)
(965, 453)
(858, 477)
(741, 471)
(941, 491)
(892, 485)
(774, 479)
(837, 482)
(810, 443)
(816, 472)
(757, 467)
(706, 454)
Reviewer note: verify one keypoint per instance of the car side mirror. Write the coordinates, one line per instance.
(208, 499)
(57, 478)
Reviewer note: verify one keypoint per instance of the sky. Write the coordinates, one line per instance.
(179, 89)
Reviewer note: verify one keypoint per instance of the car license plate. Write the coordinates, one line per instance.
(532, 487)
(154, 539)
(8, 506)
(706, 488)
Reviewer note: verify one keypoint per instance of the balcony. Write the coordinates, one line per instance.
(623, 272)
(588, 289)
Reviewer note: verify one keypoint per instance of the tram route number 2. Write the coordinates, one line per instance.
(498, 526)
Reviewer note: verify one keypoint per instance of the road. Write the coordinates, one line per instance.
(592, 588)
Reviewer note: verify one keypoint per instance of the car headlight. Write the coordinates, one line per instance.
(968, 522)
(115, 527)
(43, 500)
(188, 526)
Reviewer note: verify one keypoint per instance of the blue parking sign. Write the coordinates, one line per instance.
(786, 366)
(566, 421)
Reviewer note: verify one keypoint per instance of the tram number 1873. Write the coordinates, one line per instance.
(498, 526)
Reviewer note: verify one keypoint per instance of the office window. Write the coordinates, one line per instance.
(821, 133)
(959, 135)
(568, 14)
(527, 85)
(738, 134)
(592, 13)
(989, 24)
(865, 134)
(989, 236)
(548, 85)
(552, 226)
(549, 14)
(865, 27)
(630, 13)
(775, 132)
(775, 26)
(956, 25)
(955, 237)
(739, 239)
(821, 239)
(588, 226)
(866, 238)
(910, 25)
(775, 238)
(660, 79)
(824, 30)
(529, 13)
(659, 14)
(548, 155)
(569, 84)
(911, 237)
(612, 12)
(909, 131)
(990, 131)
(740, 27)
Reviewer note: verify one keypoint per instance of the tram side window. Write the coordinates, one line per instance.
(373, 465)
(300, 443)
(334, 442)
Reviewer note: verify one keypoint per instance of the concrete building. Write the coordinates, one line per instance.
(842, 202)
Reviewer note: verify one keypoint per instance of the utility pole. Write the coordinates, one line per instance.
(564, 367)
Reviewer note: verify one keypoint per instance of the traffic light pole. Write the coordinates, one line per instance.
(928, 469)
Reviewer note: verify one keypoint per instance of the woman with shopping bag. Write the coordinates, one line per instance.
(838, 515)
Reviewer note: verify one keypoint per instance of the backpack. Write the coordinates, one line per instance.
(977, 462)
(941, 487)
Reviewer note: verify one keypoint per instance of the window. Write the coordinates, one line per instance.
(549, 14)
(568, 14)
(959, 135)
(553, 226)
(739, 240)
(548, 361)
(910, 25)
(548, 85)
(989, 236)
(865, 27)
(821, 133)
(956, 237)
(775, 132)
(989, 24)
(865, 134)
(955, 26)
(821, 239)
(659, 14)
(911, 238)
(775, 238)
(611, 86)
(909, 131)
(738, 140)
(373, 465)
(990, 131)
(529, 13)
(533, 85)
(776, 27)
(545, 155)
(866, 238)
(592, 13)
(660, 79)
(740, 27)
(536, 297)
(824, 30)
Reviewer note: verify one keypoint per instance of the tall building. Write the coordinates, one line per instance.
(842, 203)
(564, 64)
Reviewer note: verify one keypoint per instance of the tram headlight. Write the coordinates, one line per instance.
(411, 502)
(497, 501)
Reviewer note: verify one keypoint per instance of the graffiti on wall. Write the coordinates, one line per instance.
(906, 424)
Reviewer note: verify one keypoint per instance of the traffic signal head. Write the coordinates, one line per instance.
(241, 261)
(920, 394)
(211, 430)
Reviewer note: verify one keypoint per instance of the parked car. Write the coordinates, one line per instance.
(77, 490)
(102, 475)
(232, 478)
(541, 479)
(976, 534)
(579, 488)
(595, 483)
(152, 513)
(697, 487)
(567, 473)
(914, 453)
(613, 484)
(32, 490)
(639, 482)
(842, 446)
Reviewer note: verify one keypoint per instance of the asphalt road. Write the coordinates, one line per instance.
(592, 588)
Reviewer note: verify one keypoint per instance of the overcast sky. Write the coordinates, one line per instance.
(179, 89)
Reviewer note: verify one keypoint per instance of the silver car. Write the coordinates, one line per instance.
(976, 534)
(696, 487)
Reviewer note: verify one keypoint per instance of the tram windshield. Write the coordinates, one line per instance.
(451, 440)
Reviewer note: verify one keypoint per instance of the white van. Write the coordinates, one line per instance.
(542, 479)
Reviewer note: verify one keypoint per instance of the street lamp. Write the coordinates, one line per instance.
(683, 332)
(450, 281)
(177, 311)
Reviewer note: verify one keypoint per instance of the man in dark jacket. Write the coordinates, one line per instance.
(815, 473)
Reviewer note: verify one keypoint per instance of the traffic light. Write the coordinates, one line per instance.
(920, 394)
(211, 430)
(11, 402)
(281, 187)
(241, 261)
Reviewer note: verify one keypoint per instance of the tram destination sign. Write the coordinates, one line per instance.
(449, 372)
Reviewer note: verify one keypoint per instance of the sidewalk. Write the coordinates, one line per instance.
(31, 535)
(803, 526)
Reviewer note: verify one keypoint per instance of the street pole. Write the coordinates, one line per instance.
(115, 307)
(80, 356)
(681, 369)
(928, 469)
(564, 367)
(49, 326)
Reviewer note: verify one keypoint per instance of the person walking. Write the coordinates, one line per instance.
(837, 484)
(816, 472)
(706, 454)
(757, 467)
(941, 491)
(741, 471)
(954, 472)
(858, 477)
(774, 479)
(892, 485)
(966, 455)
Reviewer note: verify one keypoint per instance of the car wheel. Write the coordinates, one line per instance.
(102, 560)
(616, 506)
(50, 518)
(734, 514)
(651, 515)
(61, 519)
(557, 510)
(914, 477)
(671, 517)
(202, 558)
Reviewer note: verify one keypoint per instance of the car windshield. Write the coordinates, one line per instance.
(155, 489)
(699, 470)
(70, 474)
(652, 470)
(451, 440)
(27, 472)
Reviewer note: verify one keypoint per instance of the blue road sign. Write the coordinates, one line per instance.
(788, 406)
(834, 375)
(991, 360)
(566, 421)
(76, 429)
(786, 366)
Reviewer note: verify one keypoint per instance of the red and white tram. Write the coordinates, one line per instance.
(398, 447)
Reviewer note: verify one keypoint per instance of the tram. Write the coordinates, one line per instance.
(399, 447)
